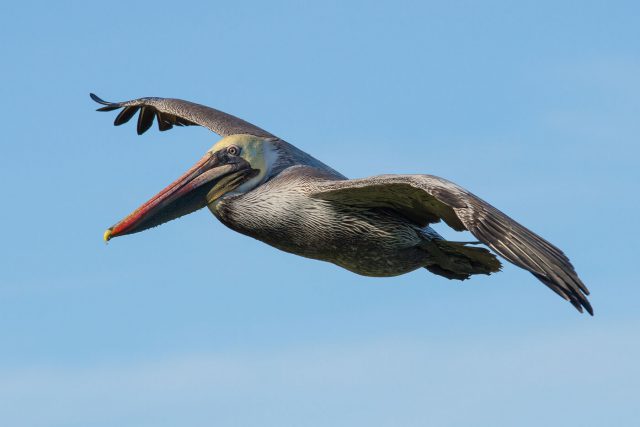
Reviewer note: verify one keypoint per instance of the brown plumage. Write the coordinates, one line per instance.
(261, 186)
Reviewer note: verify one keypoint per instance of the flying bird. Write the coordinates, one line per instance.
(260, 185)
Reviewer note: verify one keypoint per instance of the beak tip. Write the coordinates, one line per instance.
(107, 235)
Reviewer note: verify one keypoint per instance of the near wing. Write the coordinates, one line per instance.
(426, 199)
(176, 112)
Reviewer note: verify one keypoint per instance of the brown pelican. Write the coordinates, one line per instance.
(261, 186)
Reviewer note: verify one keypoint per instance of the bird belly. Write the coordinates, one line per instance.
(365, 241)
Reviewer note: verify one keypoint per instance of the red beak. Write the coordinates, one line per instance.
(185, 195)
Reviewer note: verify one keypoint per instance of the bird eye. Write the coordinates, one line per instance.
(233, 150)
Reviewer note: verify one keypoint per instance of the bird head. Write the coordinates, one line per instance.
(234, 165)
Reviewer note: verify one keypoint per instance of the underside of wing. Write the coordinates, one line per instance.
(170, 112)
(426, 199)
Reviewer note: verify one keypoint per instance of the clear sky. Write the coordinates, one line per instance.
(532, 105)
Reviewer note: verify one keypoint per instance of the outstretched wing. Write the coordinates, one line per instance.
(426, 199)
(176, 112)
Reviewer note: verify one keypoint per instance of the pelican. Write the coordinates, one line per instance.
(261, 186)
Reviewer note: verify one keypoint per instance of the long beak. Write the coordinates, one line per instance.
(185, 195)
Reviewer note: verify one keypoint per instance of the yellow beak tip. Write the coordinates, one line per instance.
(107, 235)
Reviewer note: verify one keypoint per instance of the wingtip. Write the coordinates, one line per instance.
(108, 106)
(584, 301)
(97, 99)
(589, 309)
(582, 304)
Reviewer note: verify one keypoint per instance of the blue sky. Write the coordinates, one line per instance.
(531, 105)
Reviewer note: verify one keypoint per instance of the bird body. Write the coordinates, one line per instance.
(283, 214)
(265, 188)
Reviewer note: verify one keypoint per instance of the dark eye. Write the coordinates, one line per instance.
(233, 150)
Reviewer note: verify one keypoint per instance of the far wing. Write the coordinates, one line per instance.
(426, 199)
(175, 112)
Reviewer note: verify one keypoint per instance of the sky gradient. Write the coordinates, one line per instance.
(531, 105)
